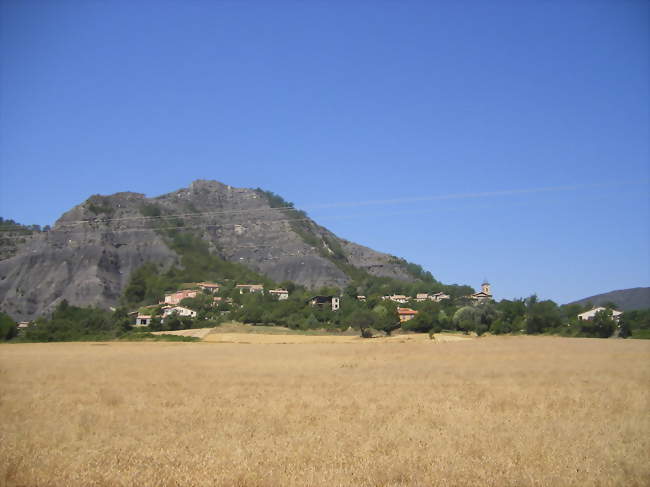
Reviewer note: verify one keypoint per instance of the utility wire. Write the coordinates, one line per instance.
(153, 228)
(154, 218)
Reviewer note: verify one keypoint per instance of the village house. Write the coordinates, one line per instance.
(591, 314)
(397, 298)
(209, 287)
(322, 301)
(23, 324)
(251, 288)
(406, 314)
(281, 294)
(180, 310)
(143, 320)
(361, 298)
(437, 297)
(482, 296)
(177, 297)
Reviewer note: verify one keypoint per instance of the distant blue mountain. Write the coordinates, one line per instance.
(625, 299)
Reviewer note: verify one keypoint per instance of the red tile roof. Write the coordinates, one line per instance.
(406, 311)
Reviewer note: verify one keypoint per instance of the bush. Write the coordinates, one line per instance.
(642, 333)
(367, 333)
(8, 327)
(601, 326)
(481, 329)
(71, 323)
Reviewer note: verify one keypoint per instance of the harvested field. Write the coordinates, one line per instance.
(260, 338)
(235, 332)
(492, 411)
(193, 332)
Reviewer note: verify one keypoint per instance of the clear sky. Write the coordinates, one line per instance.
(416, 128)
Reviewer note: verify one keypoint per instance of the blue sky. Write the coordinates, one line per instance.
(385, 106)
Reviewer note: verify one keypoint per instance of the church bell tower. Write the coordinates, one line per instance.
(485, 287)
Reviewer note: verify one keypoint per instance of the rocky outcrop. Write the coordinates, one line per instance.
(89, 254)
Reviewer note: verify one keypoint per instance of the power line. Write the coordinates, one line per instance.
(143, 229)
(73, 223)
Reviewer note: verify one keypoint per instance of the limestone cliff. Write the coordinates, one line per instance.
(89, 254)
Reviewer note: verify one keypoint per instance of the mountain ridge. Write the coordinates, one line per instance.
(91, 251)
(625, 299)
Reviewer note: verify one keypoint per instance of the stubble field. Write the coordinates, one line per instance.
(492, 411)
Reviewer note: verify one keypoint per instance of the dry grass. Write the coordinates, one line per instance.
(192, 332)
(492, 411)
(234, 332)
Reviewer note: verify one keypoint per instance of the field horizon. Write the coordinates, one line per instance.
(513, 410)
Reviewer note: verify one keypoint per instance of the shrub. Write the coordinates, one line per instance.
(8, 327)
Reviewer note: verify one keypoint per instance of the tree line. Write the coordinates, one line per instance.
(520, 316)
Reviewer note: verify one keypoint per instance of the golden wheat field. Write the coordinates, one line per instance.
(494, 411)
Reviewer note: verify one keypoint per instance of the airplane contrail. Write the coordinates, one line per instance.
(484, 194)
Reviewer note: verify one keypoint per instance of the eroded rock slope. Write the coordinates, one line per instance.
(89, 254)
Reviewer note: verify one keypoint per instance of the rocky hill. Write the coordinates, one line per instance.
(625, 299)
(88, 256)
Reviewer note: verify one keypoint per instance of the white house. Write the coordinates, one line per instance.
(397, 298)
(437, 297)
(180, 310)
(323, 301)
(281, 294)
(591, 314)
(251, 288)
(210, 287)
(143, 320)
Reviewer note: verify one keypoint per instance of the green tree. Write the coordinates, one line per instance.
(422, 322)
(73, 323)
(122, 320)
(541, 316)
(637, 320)
(467, 318)
(172, 322)
(445, 322)
(386, 318)
(601, 326)
(364, 320)
(624, 330)
(156, 324)
(8, 327)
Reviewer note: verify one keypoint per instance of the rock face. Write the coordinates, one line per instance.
(89, 254)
